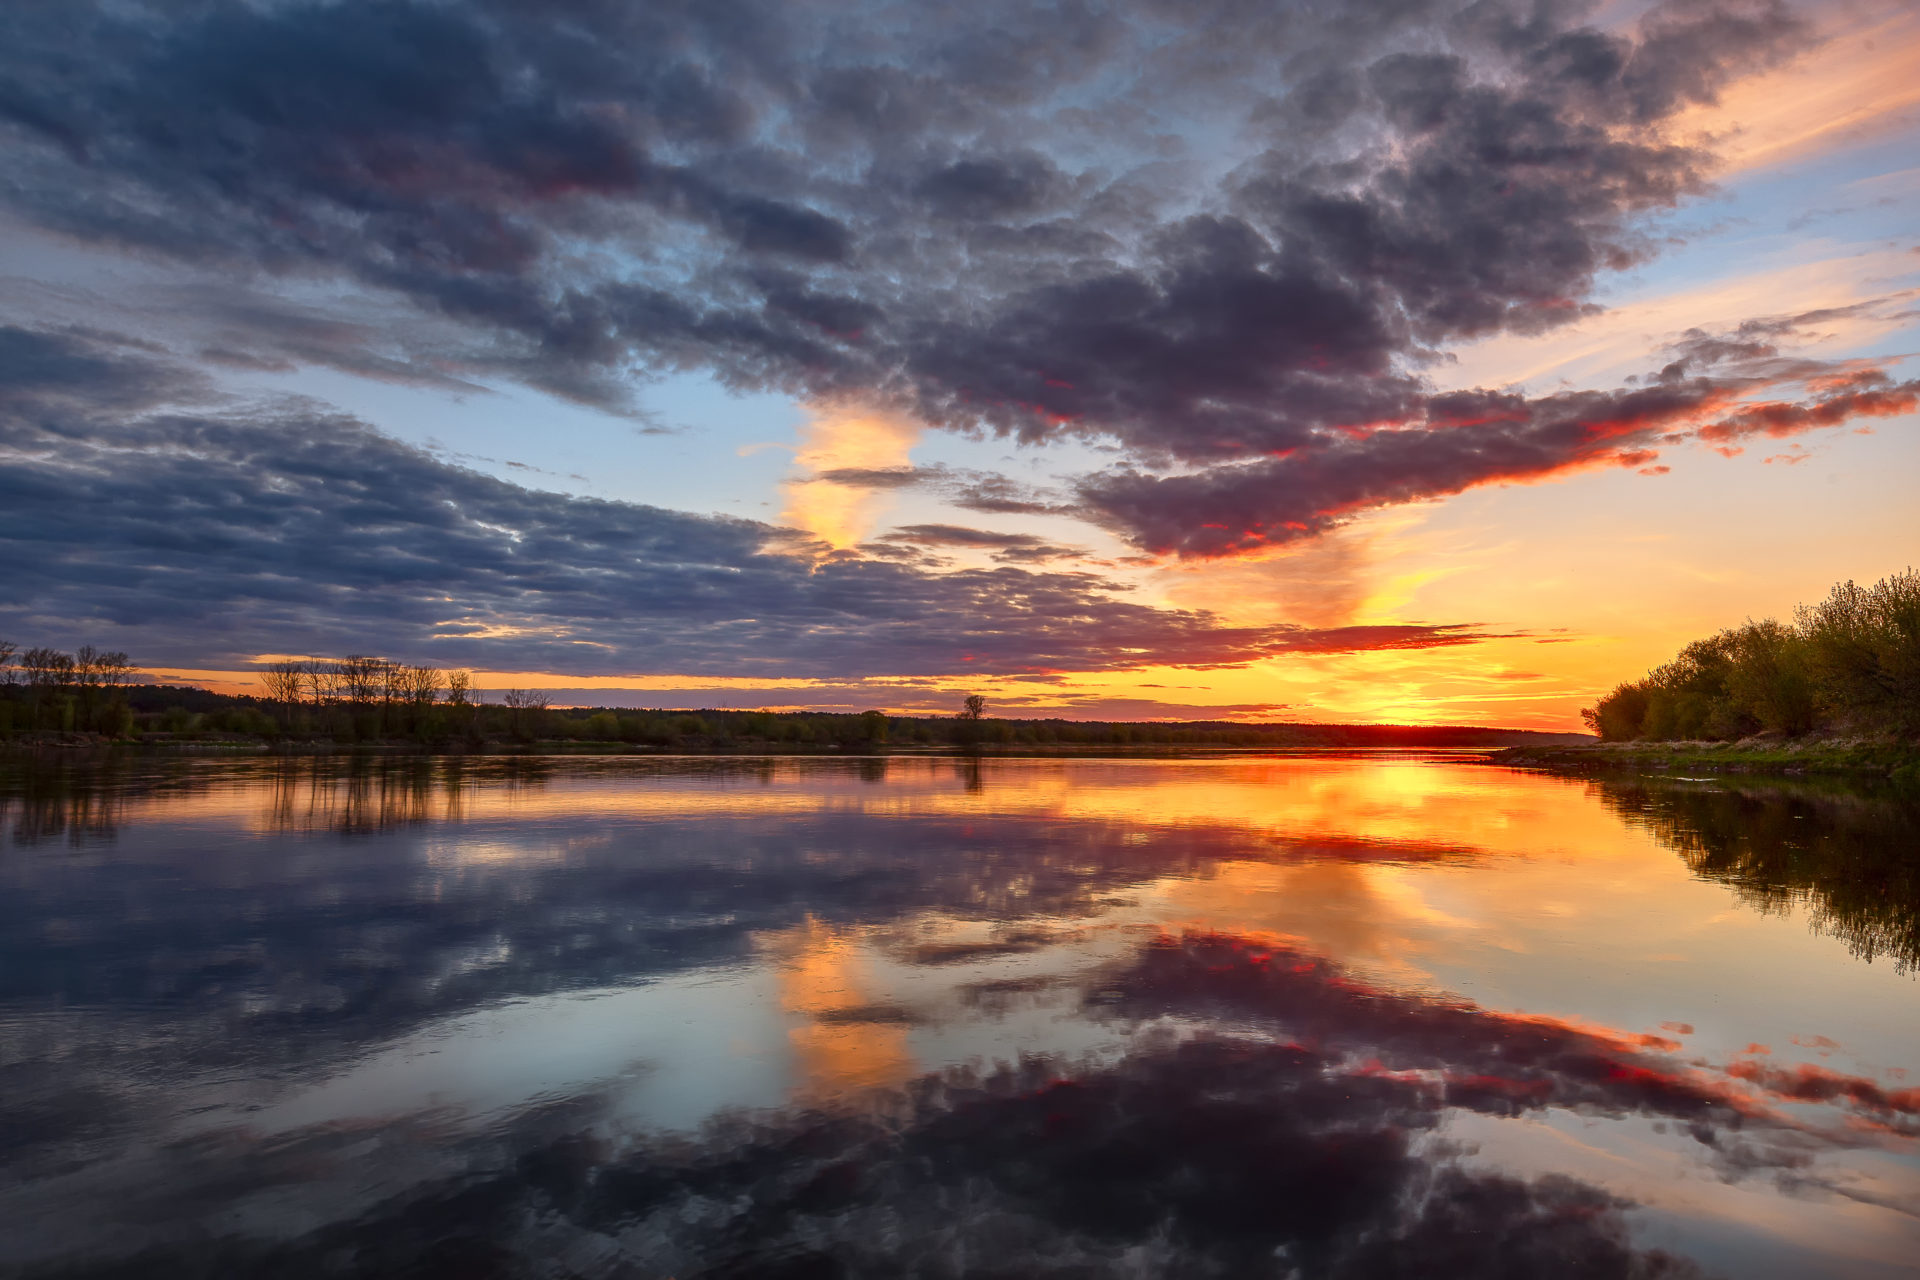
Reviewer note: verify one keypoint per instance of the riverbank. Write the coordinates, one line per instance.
(81, 746)
(833, 736)
(1849, 757)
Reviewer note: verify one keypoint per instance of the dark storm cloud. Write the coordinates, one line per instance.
(141, 522)
(59, 377)
(1228, 236)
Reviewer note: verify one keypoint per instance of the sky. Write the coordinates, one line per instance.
(1420, 361)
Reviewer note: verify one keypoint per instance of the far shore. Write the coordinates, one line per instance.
(74, 744)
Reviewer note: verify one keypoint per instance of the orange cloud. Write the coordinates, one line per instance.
(845, 438)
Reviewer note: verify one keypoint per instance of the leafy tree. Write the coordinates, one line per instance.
(1770, 679)
(972, 711)
(1865, 651)
(1851, 662)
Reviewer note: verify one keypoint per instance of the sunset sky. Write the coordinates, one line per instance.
(1375, 360)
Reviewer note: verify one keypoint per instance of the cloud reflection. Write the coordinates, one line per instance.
(1207, 1102)
(1207, 1157)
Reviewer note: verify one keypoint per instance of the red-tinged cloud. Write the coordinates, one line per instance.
(1776, 419)
(1464, 440)
(1809, 1083)
(1472, 438)
(1505, 1064)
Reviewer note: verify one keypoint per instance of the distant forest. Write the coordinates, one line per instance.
(366, 701)
(1847, 665)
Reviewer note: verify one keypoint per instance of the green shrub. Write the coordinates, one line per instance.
(1851, 662)
(1864, 651)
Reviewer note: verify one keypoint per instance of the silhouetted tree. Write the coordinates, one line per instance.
(285, 683)
(525, 708)
(460, 700)
(86, 681)
(103, 676)
(363, 678)
(972, 711)
(322, 681)
(7, 678)
(49, 675)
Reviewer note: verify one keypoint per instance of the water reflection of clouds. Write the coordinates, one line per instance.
(1320, 1140)
(455, 952)
(1500, 1063)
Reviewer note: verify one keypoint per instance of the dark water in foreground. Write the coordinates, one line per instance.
(810, 1018)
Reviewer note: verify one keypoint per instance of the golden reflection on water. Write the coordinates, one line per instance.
(845, 1038)
(1402, 806)
(1348, 854)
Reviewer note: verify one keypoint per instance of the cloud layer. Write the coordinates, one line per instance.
(1229, 237)
(134, 512)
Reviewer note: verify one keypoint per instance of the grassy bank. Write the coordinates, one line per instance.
(1852, 757)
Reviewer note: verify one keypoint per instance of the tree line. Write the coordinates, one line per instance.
(1849, 664)
(50, 689)
(366, 699)
(358, 698)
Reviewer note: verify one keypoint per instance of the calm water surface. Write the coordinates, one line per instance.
(1314, 1016)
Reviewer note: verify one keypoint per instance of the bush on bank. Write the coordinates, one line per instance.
(1849, 664)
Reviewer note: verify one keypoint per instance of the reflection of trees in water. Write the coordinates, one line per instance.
(361, 795)
(82, 801)
(89, 798)
(1852, 857)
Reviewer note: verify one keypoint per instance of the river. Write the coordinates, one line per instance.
(1320, 1015)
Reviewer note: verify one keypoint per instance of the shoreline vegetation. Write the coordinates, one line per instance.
(1782, 757)
(54, 701)
(1847, 667)
(1836, 691)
